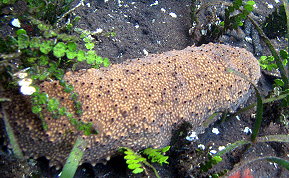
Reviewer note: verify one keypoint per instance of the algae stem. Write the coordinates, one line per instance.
(74, 158)
(13, 141)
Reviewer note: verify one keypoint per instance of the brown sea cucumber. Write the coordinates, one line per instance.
(138, 103)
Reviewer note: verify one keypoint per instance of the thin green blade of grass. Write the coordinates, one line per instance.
(259, 112)
(232, 147)
(273, 138)
(267, 100)
(13, 141)
(286, 7)
(259, 116)
(4, 99)
(280, 161)
(74, 158)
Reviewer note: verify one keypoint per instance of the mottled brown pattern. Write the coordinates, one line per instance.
(138, 103)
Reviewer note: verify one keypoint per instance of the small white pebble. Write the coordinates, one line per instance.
(173, 15)
(277, 1)
(88, 4)
(145, 52)
(192, 136)
(105, 0)
(270, 6)
(215, 131)
(163, 10)
(25, 82)
(248, 39)
(155, 3)
(255, 6)
(247, 130)
(21, 75)
(213, 151)
(119, 3)
(27, 90)
(16, 23)
(221, 148)
(204, 32)
(201, 146)
(136, 26)
(238, 118)
(98, 30)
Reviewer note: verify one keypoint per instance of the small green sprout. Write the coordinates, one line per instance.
(133, 160)
(213, 160)
(234, 21)
(269, 63)
(157, 155)
(137, 163)
(43, 56)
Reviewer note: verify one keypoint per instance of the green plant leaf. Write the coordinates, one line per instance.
(279, 82)
(165, 149)
(89, 46)
(285, 62)
(71, 46)
(132, 161)
(81, 55)
(98, 60)
(248, 7)
(106, 62)
(217, 158)
(71, 54)
(138, 170)
(87, 39)
(23, 41)
(43, 60)
(39, 98)
(35, 42)
(36, 109)
(263, 58)
(284, 54)
(21, 32)
(237, 4)
(46, 47)
(52, 104)
(59, 49)
(129, 152)
(129, 157)
(90, 57)
(163, 159)
(42, 27)
(62, 111)
(134, 166)
(32, 59)
(251, 3)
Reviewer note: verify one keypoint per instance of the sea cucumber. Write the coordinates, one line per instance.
(138, 103)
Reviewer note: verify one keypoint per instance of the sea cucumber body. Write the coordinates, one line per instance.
(138, 103)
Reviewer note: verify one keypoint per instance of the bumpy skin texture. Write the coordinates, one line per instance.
(137, 103)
